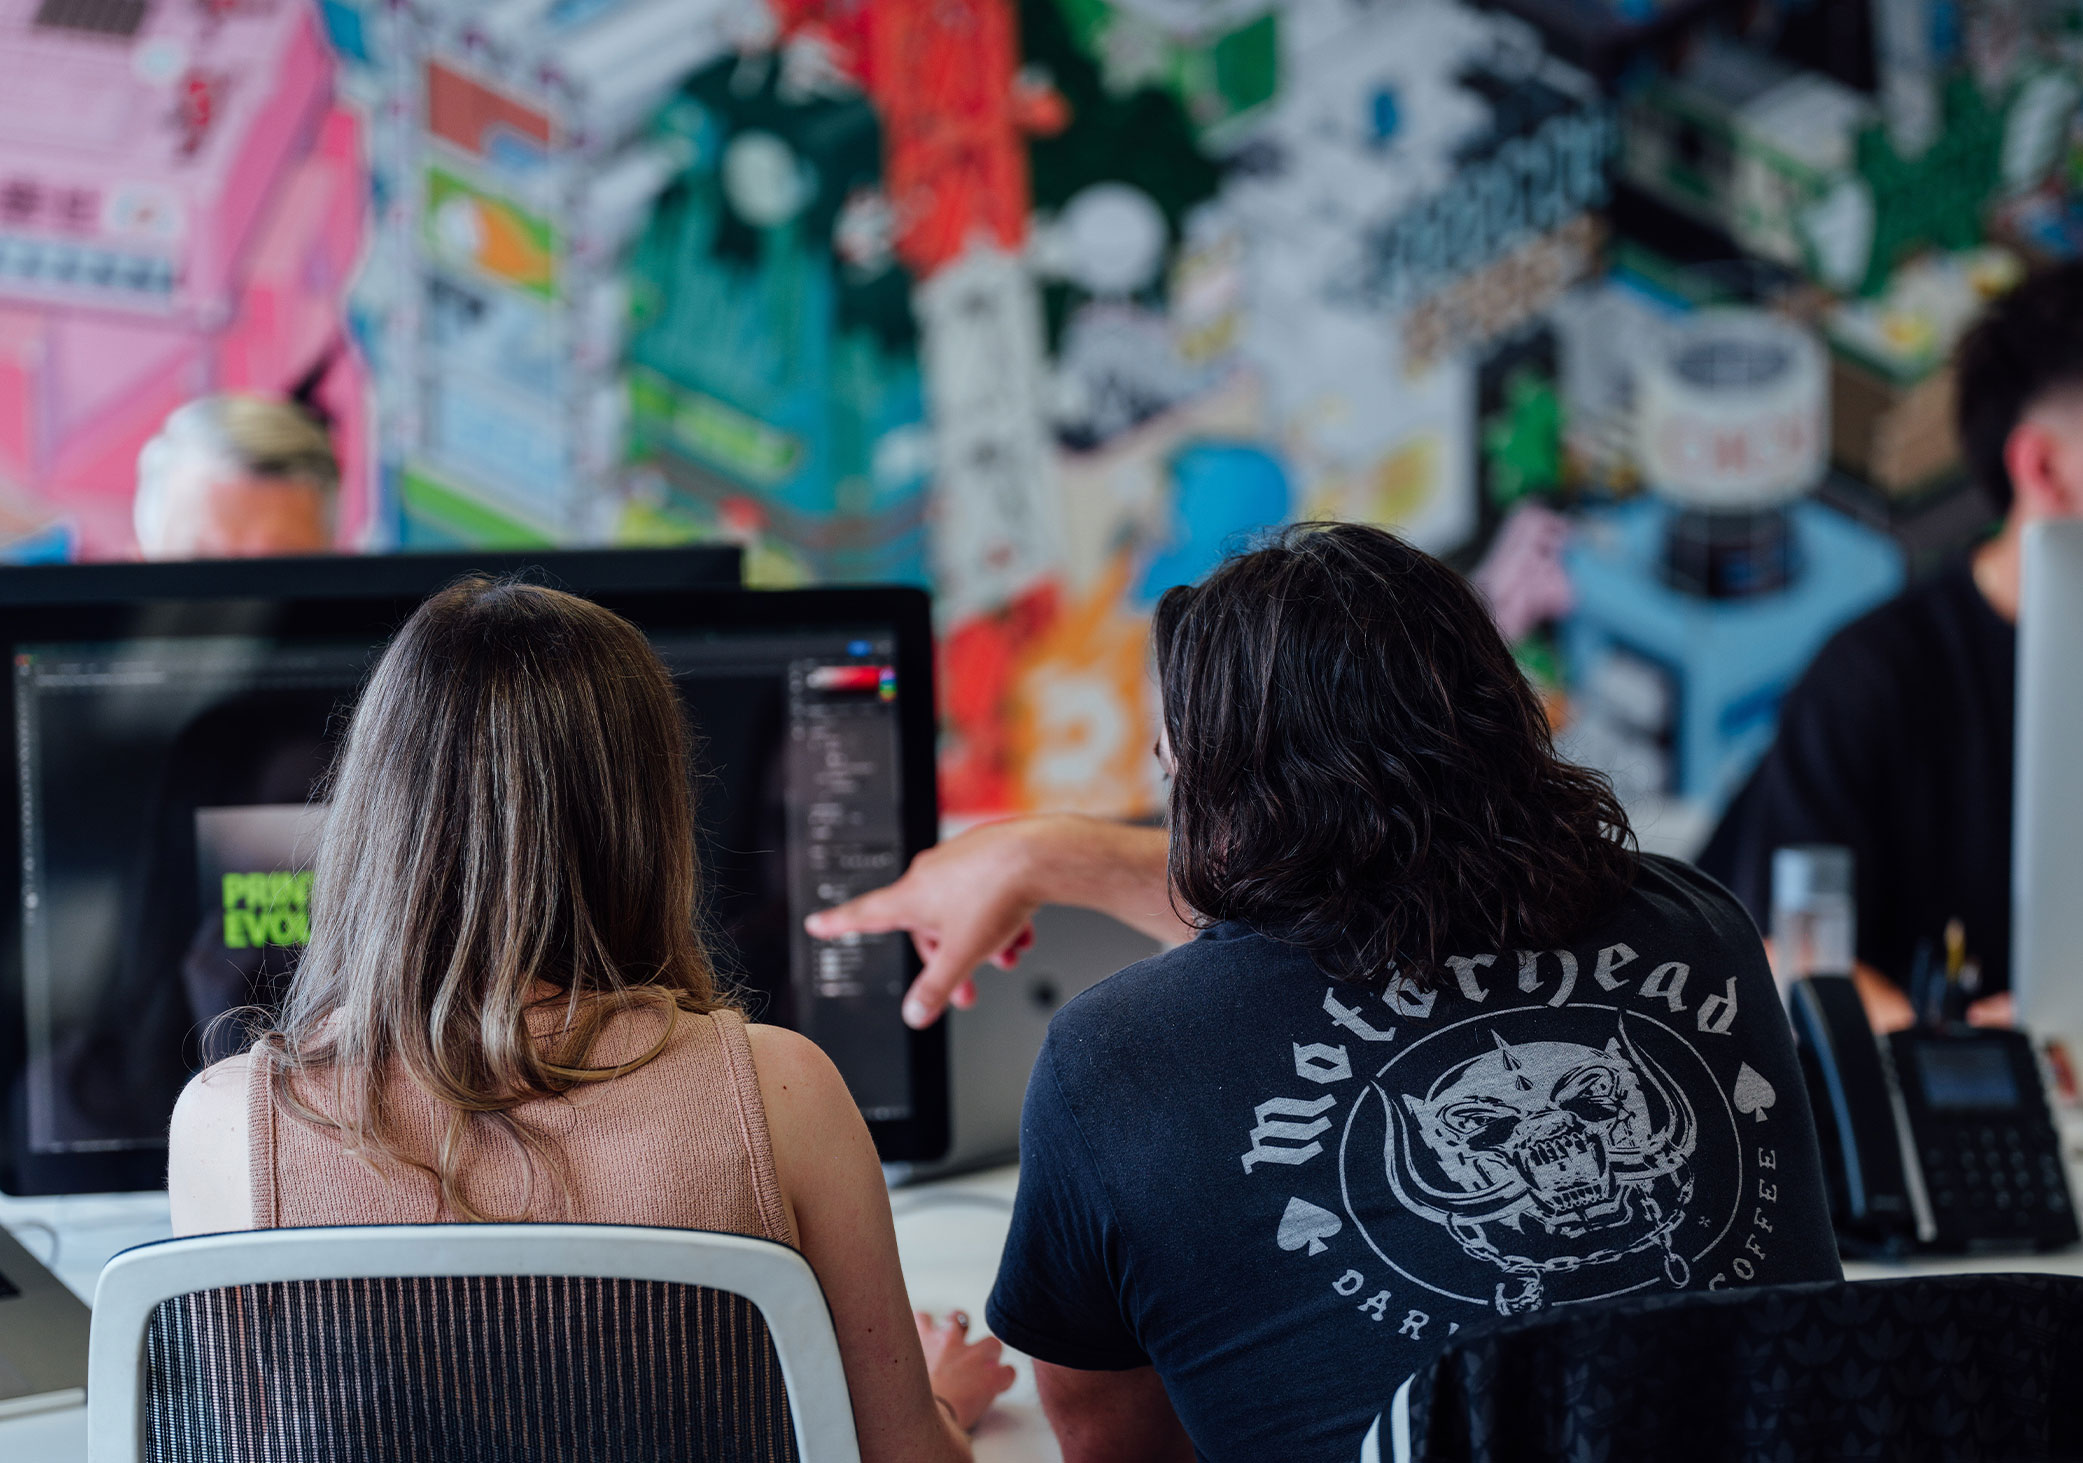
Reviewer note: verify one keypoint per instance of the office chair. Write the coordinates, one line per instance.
(465, 1343)
(1954, 1367)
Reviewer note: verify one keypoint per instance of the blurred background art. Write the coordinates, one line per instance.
(1638, 309)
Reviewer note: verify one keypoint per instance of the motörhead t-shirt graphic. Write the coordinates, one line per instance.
(1561, 1165)
(1285, 1193)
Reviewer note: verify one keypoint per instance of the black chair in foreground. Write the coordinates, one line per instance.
(1964, 1368)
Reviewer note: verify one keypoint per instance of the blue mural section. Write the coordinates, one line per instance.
(1221, 494)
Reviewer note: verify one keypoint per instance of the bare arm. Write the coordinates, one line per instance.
(209, 1173)
(970, 899)
(1888, 1008)
(829, 1176)
(1111, 1417)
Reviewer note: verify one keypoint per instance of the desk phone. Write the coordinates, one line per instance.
(1939, 1140)
(1986, 1149)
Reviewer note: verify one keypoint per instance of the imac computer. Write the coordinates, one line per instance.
(2047, 833)
(162, 818)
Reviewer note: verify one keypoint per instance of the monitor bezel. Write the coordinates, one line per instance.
(904, 610)
(358, 576)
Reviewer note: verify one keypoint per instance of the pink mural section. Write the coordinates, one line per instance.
(181, 208)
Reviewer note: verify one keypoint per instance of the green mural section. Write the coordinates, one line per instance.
(774, 387)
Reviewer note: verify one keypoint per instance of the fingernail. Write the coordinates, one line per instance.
(916, 1014)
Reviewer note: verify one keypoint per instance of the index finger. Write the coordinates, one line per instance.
(877, 912)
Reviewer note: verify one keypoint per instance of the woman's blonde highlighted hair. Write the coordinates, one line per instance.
(511, 810)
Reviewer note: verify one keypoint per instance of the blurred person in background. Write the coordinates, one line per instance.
(1897, 743)
(237, 476)
(226, 476)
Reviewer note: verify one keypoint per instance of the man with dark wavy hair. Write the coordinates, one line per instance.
(1898, 741)
(1444, 1046)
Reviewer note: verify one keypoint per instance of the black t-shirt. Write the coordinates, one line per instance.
(1285, 1194)
(1897, 744)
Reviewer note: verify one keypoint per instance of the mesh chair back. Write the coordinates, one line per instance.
(458, 1343)
(1953, 1367)
(480, 1369)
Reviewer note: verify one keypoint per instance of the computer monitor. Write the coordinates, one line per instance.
(160, 827)
(318, 576)
(2047, 827)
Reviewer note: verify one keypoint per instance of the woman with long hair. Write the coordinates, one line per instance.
(506, 1010)
(1442, 1045)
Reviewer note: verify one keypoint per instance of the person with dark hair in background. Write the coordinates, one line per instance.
(1897, 741)
(1444, 1047)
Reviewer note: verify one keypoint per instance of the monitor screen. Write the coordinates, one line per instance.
(169, 783)
(1967, 1074)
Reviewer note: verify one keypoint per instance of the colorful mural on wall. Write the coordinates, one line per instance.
(1044, 303)
(1159, 299)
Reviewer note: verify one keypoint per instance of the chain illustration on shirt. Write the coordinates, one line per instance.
(1567, 1150)
(1579, 1153)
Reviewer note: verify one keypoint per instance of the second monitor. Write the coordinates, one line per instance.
(167, 760)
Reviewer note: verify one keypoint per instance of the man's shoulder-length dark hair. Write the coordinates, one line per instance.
(1360, 768)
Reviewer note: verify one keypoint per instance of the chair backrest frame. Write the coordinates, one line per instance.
(773, 1277)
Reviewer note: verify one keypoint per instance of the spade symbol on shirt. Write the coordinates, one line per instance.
(1305, 1224)
(1753, 1093)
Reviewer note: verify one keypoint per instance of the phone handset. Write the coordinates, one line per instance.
(1857, 1115)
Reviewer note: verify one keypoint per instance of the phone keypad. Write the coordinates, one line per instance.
(1986, 1177)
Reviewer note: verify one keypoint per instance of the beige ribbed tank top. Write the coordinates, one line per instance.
(680, 1142)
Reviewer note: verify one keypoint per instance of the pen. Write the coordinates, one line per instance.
(1963, 976)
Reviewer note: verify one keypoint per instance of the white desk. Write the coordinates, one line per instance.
(948, 1237)
(84, 1233)
(2060, 1262)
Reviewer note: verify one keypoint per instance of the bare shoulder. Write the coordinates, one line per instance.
(788, 1053)
(227, 1076)
(795, 1075)
(215, 1095)
(808, 1105)
(208, 1164)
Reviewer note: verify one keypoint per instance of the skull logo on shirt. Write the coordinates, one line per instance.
(1547, 1156)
